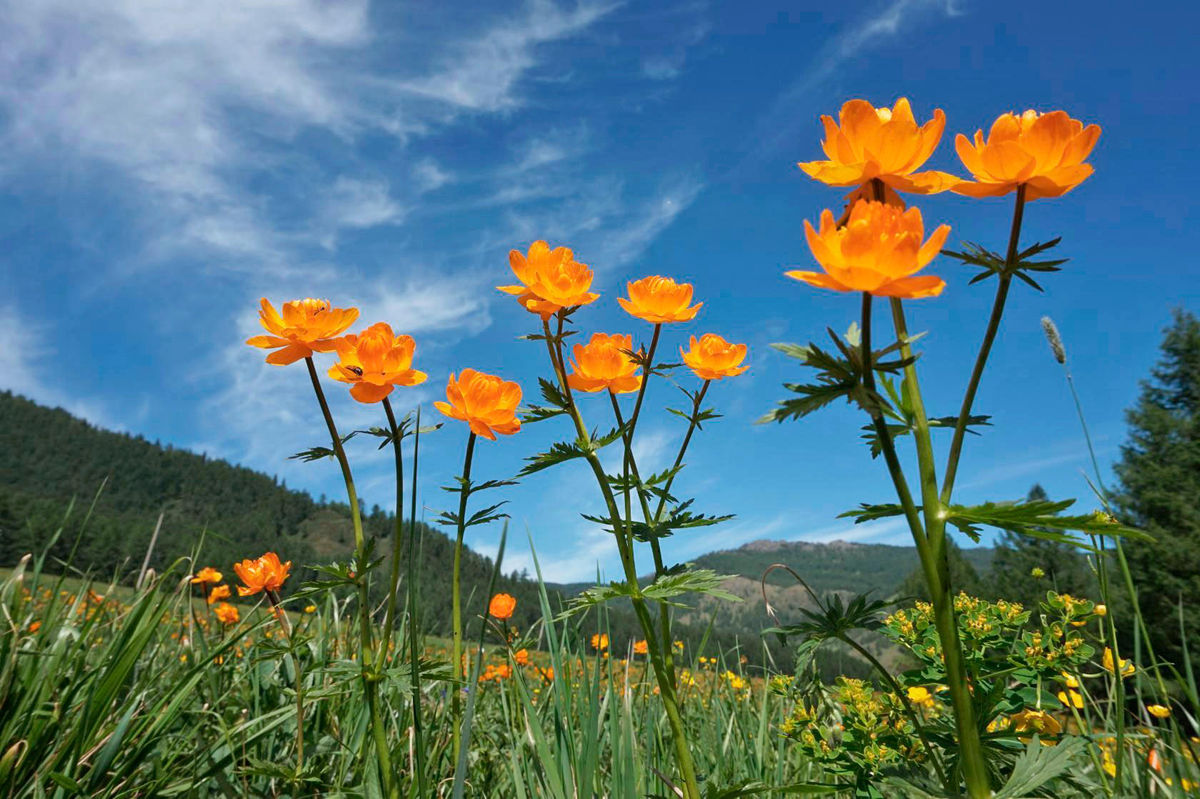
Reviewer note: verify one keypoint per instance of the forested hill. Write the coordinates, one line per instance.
(51, 458)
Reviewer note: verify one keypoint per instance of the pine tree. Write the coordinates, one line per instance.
(1058, 567)
(1159, 489)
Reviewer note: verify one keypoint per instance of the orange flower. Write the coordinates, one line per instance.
(1043, 151)
(659, 299)
(226, 613)
(485, 402)
(550, 279)
(306, 326)
(521, 656)
(878, 251)
(207, 575)
(220, 592)
(502, 606)
(880, 143)
(34, 626)
(600, 641)
(547, 674)
(374, 362)
(603, 364)
(640, 647)
(262, 574)
(712, 357)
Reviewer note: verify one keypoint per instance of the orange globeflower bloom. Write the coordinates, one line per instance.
(374, 362)
(207, 575)
(502, 606)
(521, 656)
(261, 574)
(600, 641)
(603, 364)
(485, 402)
(712, 357)
(640, 647)
(659, 299)
(880, 144)
(226, 613)
(1043, 151)
(550, 279)
(220, 592)
(306, 326)
(878, 251)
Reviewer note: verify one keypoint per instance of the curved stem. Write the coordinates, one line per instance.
(366, 639)
(464, 493)
(989, 336)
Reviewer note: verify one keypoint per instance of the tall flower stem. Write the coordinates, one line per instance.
(282, 618)
(369, 678)
(464, 493)
(974, 765)
(985, 349)
(664, 678)
(389, 618)
(414, 621)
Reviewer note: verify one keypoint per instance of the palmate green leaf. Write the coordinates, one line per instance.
(866, 512)
(563, 451)
(556, 403)
(1038, 519)
(871, 436)
(688, 581)
(1039, 765)
(992, 263)
(318, 453)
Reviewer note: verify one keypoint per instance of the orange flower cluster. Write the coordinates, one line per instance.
(877, 248)
(485, 402)
(226, 613)
(551, 280)
(603, 363)
(502, 606)
(374, 362)
(713, 358)
(265, 573)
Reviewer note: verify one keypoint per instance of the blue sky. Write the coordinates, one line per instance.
(163, 165)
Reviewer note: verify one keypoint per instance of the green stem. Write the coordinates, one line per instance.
(414, 622)
(989, 336)
(456, 607)
(366, 645)
(666, 684)
(974, 764)
(389, 618)
(281, 617)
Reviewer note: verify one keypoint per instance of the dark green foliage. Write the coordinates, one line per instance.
(1159, 490)
(1012, 576)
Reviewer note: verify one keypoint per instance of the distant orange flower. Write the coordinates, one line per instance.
(226, 613)
(878, 251)
(220, 592)
(660, 299)
(640, 647)
(550, 279)
(34, 626)
(207, 575)
(306, 326)
(261, 574)
(502, 606)
(547, 674)
(600, 641)
(374, 362)
(521, 656)
(485, 402)
(602, 364)
(880, 144)
(711, 357)
(1043, 151)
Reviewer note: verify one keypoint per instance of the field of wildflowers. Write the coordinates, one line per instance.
(206, 681)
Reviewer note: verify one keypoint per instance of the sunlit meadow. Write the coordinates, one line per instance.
(241, 679)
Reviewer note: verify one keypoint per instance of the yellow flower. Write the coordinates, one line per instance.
(919, 695)
(1045, 152)
(1071, 699)
(600, 641)
(1159, 711)
(1123, 666)
(306, 326)
(880, 143)
(602, 364)
(374, 362)
(640, 647)
(1100, 610)
(310, 608)
(659, 300)
(712, 358)
(878, 251)
(1038, 721)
